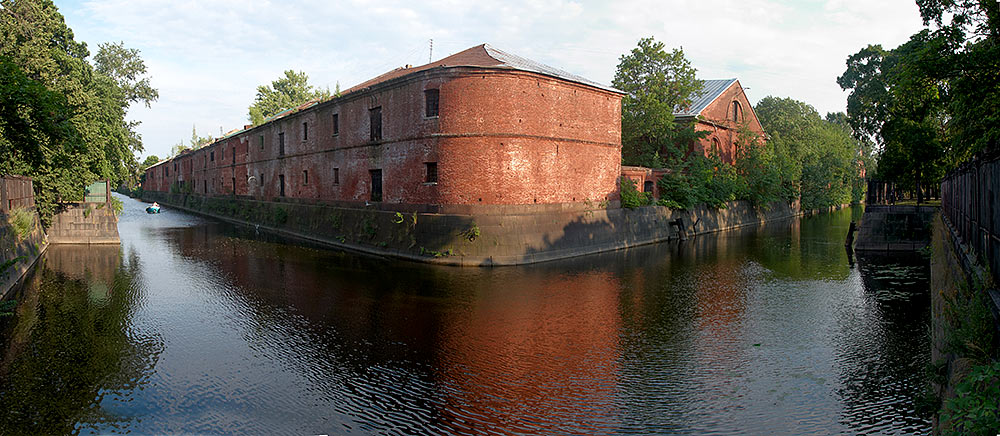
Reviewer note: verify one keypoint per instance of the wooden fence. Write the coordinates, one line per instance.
(16, 191)
(970, 196)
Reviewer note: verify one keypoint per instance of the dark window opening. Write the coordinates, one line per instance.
(736, 111)
(376, 185)
(281, 184)
(234, 154)
(212, 155)
(336, 176)
(261, 142)
(647, 186)
(281, 144)
(432, 172)
(261, 179)
(204, 186)
(305, 177)
(375, 118)
(431, 103)
(336, 124)
(305, 131)
(222, 153)
(166, 172)
(234, 186)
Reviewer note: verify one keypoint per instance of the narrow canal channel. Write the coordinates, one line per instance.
(193, 326)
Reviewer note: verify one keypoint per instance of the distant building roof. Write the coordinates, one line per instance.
(711, 90)
(484, 55)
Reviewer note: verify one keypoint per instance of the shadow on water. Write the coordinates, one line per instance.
(210, 328)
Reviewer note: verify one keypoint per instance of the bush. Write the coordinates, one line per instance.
(631, 197)
(974, 410)
(22, 220)
(700, 180)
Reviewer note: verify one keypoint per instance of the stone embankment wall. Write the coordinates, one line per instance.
(85, 223)
(507, 235)
(895, 228)
(18, 255)
(957, 278)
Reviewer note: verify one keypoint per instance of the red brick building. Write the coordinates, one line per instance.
(720, 109)
(480, 127)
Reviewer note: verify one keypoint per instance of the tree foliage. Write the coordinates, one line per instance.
(931, 102)
(284, 93)
(63, 118)
(655, 82)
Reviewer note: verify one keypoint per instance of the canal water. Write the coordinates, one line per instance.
(194, 326)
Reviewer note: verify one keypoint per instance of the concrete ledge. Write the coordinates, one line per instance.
(473, 239)
(85, 223)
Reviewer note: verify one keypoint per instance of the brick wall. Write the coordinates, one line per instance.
(502, 137)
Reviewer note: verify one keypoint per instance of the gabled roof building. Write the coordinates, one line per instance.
(721, 108)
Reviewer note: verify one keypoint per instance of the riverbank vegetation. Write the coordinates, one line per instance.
(62, 113)
(804, 156)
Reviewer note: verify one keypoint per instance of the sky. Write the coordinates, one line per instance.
(207, 57)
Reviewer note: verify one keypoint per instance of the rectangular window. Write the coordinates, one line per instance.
(305, 177)
(261, 179)
(336, 176)
(281, 184)
(336, 124)
(222, 153)
(376, 185)
(166, 172)
(212, 155)
(432, 172)
(431, 103)
(375, 124)
(305, 131)
(281, 144)
(234, 154)
(261, 142)
(204, 186)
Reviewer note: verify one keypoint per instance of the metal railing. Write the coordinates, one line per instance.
(970, 195)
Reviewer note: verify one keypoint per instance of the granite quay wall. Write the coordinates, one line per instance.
(895, 228)
(962, 291)
(84, 223)
(18, 254)
(487, 236)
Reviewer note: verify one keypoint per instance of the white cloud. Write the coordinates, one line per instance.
(207, 57)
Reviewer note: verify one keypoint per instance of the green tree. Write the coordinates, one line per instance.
(72, 111)
(806, 156)
(196, 141)
(150, 161)
(655, 82)
(284, 93)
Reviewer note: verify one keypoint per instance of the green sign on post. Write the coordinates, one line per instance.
(97, 192)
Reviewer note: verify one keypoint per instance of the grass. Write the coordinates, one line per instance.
(22, 220)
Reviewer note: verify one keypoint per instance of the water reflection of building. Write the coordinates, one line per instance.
(92, 264)
(533, 354)
(491, 347)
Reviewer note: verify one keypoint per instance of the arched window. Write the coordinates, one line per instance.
(715, 145)
(736, 111)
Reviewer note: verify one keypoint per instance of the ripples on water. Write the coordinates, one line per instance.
(198, 327)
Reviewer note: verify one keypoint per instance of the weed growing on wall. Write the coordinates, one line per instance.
(22, 220)
(471, 233)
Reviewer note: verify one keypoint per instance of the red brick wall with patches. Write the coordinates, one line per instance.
(718, 120)
(502, 137)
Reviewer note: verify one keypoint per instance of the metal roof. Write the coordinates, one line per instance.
(710, 91)
(516, 62)
(483, 55)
